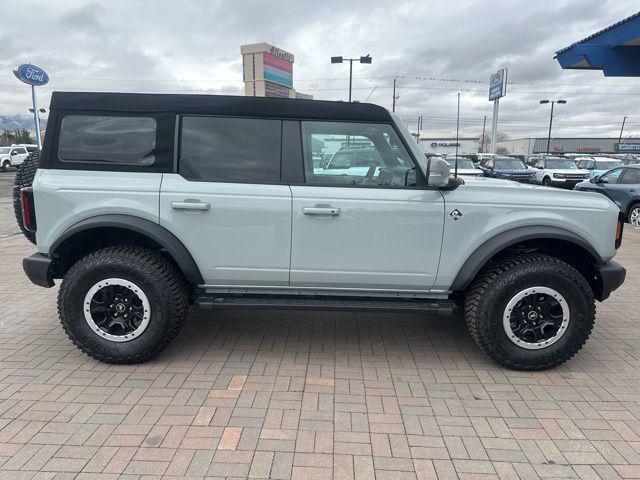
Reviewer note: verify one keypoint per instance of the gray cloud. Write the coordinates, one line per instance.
(194, 47)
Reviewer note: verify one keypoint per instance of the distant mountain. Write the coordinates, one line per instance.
(20, 122)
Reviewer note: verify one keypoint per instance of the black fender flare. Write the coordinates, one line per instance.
(494, 245)
(163, 237)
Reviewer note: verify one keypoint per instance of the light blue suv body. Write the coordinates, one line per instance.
(231, 199)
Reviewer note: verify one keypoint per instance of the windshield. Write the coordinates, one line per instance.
(509, 164)
(559, 163)
(462, 163)
(607, 164)
(4, 150)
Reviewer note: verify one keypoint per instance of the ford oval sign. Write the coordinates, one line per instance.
(31, 75)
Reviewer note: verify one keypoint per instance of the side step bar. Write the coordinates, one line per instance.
(267, 302)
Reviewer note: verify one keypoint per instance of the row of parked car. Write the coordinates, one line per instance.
(617, 178)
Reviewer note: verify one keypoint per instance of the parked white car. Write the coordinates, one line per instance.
(465, 167)
(558, 172)
(14, 155)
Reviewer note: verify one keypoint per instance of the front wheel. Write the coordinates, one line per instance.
(530, 312)
(547, 182)
(6, 166)
(122, 304)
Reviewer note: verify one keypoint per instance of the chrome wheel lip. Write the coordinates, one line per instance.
(129, 285)
(634, 218)
(506, 319)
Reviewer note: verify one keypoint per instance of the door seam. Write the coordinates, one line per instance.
(291, 233)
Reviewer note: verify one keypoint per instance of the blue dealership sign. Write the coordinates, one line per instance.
(31, 75)
(498, 84)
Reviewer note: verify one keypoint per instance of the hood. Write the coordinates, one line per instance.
(533, 194)
(570, 171)
(467, 171)
(514, 171)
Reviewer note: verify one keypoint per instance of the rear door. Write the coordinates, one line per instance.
(227, 203)
(369, 229)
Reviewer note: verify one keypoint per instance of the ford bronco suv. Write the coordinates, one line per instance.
(145, 204)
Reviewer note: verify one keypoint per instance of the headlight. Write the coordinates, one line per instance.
(558, 175)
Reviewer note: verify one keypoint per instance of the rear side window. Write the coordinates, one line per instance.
(235, 150)
(117, 140)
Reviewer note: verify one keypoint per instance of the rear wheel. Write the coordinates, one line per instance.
(122, 304)
(634, 216)
(530, 312)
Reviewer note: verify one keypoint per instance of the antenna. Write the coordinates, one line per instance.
(457, 136)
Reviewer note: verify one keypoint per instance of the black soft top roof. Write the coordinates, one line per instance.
(219, 105)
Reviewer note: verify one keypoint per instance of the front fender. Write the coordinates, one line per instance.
(503, 240)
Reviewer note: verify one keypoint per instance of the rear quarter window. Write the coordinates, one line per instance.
(118, 140)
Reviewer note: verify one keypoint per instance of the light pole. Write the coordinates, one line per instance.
(40, 110)
(365, 59)
(552, 102)
(622, 129)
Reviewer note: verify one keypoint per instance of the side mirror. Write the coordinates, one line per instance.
(594, 179)
(14, 153)
(438, 172)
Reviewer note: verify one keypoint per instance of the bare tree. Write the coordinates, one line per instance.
(484, 146)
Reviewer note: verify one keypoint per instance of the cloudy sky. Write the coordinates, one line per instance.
(436, 48)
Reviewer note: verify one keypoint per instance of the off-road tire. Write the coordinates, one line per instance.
(162, 283)
(487, 298)
(24, 178)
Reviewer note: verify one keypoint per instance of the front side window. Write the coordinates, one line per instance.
(360, 154)
(234, 150)
(19, 151)
(118, 140)
(607, 165)
(611, 177)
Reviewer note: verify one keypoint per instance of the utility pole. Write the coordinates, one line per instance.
(552, 102)
(484, 127)
(393, 104)
(419, 128)
(622, 128)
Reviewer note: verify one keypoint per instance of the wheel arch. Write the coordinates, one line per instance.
(633, 203)
(105, 230)
(556, 241)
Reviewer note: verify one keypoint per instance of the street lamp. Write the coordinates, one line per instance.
(365, 59)
(552, 102)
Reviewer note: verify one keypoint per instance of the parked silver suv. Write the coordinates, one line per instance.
(148, 203)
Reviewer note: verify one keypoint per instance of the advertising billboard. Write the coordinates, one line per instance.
(498, 84)
(277, 70)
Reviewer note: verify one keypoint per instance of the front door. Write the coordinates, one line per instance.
(227, 204)
(363, 227)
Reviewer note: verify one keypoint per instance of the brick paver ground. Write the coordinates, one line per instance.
(312, 396)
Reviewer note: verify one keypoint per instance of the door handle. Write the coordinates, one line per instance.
(202, 206)
(321, 211)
